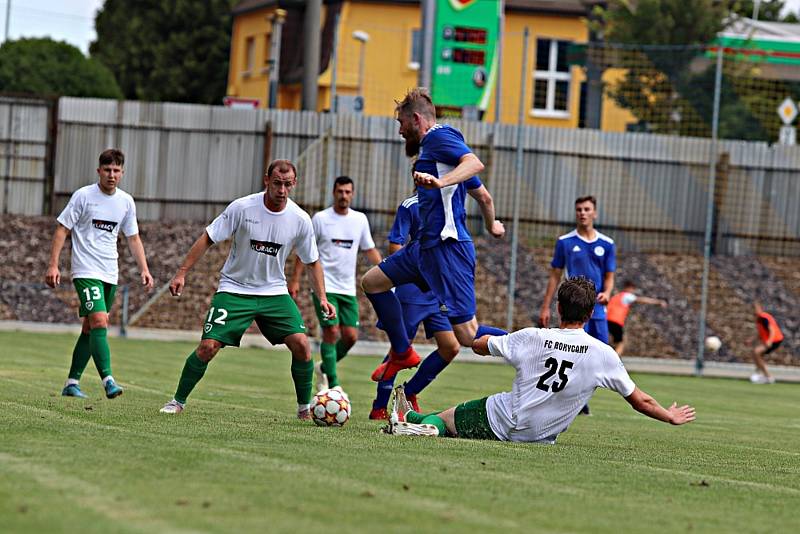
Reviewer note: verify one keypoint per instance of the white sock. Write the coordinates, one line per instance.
(71, 382)
(303, 407)
(106, 379)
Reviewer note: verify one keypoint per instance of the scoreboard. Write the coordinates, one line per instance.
(464, 66)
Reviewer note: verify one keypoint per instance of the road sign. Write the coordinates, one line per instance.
(787, 111)
(788, 135)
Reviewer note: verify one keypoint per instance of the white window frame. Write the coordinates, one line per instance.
(551, 76)
(249, 55)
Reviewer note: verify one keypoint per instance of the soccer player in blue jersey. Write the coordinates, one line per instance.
(443, 258)
(584, 252)
(418, 308)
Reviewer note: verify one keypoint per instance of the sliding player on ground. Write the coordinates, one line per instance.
(265, 227)
(95, 216)
(557, 372)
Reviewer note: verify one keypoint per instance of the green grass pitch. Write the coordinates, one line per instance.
(237, 460)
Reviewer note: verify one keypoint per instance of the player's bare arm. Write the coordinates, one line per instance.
(294, 283)
(651, 301)
(552, 283)
(197, 251)
(608, 287)
(137, 249)
(486, 204)
(468, 166)
(317, 278)
(373, 256)
(647, 405)
(53, 275)
(481, 346)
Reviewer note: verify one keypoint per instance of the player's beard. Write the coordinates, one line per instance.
(412, 147)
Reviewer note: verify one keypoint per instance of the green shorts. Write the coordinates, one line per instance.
(95, 295)
(230, 315)
(346, 310)
(472, 422)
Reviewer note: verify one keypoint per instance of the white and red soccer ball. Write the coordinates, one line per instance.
(330, 407)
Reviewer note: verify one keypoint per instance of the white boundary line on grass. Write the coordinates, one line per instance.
(782, 373)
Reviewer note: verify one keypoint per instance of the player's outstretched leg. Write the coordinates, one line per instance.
(193, 370)
(101, 353)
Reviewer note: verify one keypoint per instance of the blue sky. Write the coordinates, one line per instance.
(73, 20)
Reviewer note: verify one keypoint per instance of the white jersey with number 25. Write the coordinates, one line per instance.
(557, 373)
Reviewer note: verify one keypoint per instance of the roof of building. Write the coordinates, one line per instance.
(558, 7)
(744, 28)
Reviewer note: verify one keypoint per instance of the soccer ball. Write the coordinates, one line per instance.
(330, 407)
(713, 343)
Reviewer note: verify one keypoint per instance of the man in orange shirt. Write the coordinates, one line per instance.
(771, 338)
(617, 311)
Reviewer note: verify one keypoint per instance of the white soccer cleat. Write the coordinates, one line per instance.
(322, 379)
(404, 428)
(172, 407)
(400, 405)
(758, 378)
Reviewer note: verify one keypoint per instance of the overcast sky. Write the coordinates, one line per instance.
(73, 20)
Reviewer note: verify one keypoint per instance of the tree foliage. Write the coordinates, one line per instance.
(50, 68)
(668, 70)
(166, 50)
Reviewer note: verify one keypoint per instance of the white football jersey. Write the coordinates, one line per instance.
(339, 238)
(95, 220)
(557, 373)
(262, 239)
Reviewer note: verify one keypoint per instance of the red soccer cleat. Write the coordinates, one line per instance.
(396, 363)
(379, 414)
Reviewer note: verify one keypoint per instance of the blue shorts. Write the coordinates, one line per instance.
(431, 317)
(447, 269)
(597, 328)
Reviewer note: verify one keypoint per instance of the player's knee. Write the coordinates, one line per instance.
(465, 339)
(207, 349)
(299, 347)
(98, 320)
(330, 334)
(375, 281)
(349, 337)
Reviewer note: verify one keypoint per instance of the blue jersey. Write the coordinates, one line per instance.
(592, 259)
(404, 230)
(442, 211)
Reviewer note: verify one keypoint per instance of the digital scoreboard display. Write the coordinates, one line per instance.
(464, 54)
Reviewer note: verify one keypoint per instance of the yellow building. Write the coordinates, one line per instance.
(386, 34)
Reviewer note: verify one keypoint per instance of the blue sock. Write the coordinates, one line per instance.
(388, 309)
(486, 330)
(428, 370)
(384, 391)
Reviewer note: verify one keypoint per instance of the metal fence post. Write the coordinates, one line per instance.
(333, 108)
(123, 326)
(512, 275)
(712, 178)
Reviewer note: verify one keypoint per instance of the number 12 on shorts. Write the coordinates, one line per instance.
(219, 319)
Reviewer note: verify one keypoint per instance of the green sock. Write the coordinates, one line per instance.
(193, 371)
(101, 353)
(302, 374)
(328, 353)
(416, 418)
(436, 421)
(80, 356)
(341, 350)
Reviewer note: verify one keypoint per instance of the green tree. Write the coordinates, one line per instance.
(166, 50)
(51, 68)
(669, 70)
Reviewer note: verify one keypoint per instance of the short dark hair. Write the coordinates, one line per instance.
(417, 100)
(111, 156)
(576, 299)
(628, 283)
(282, 165)
(342, 180)
(587, 198)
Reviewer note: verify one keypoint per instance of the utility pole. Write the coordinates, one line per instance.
(311, 29)
(8, 18)
(428, 21)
